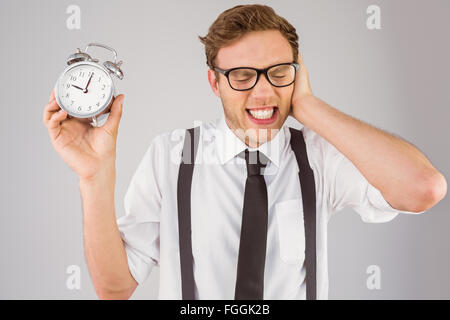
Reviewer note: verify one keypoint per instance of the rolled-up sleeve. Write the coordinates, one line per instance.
(347, 187)
(139, 227)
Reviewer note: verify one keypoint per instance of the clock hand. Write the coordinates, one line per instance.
(89, 81)
(77, 87)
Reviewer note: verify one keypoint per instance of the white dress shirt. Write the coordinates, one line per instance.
(149, 227)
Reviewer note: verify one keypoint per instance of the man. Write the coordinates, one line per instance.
(353, 163)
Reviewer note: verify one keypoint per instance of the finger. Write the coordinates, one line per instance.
(115, 114)
(300, 61)
(300, 57)
(49, 110)
(52, 95)
(54, 124)
(303, 74)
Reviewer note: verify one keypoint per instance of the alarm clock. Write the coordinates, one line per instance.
(86, 88)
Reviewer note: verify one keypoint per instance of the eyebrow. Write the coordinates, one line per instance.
(270, 65)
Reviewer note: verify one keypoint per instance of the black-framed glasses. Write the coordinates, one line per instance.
(245, 78)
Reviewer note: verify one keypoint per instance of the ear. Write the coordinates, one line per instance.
(213, 82)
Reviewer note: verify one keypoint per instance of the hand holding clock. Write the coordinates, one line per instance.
(86, 149)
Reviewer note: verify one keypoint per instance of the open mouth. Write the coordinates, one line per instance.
(263, 115)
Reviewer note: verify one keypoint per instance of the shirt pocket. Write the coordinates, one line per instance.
(291, 230)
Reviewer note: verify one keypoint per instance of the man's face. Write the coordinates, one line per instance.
(258, 49)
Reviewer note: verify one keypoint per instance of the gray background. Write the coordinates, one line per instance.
(396, 78)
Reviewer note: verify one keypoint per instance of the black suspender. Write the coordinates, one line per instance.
(306, 177)
(184, 212)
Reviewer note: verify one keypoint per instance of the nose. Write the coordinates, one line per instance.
(262, 86)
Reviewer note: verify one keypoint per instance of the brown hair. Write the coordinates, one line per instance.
(233, 23)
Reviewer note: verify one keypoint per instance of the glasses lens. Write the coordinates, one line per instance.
(282, 75)
(241, 79)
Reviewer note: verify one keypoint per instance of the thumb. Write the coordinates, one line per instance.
(115, 114)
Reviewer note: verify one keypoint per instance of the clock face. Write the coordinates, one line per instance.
(84, 89)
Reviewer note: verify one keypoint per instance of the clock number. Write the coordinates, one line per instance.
(104, 86)
(89, 108)
(72, 103)
(67, 95)
(98, 104)
(99, 78)
(81, 74)
(103, 96)
(79, 108)
(73, 78)
(68, 86)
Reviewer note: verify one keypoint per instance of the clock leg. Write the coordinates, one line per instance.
(100, 119)
(94, 121)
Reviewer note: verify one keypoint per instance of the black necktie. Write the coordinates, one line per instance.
(252, 246)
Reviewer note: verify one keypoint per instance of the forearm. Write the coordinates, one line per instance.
(104, 248)
(400, 171)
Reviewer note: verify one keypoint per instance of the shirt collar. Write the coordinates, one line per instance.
(228, 145)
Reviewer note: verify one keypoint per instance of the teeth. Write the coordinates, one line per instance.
(262, 114)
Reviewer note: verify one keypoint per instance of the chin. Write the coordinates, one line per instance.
(255, 136)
